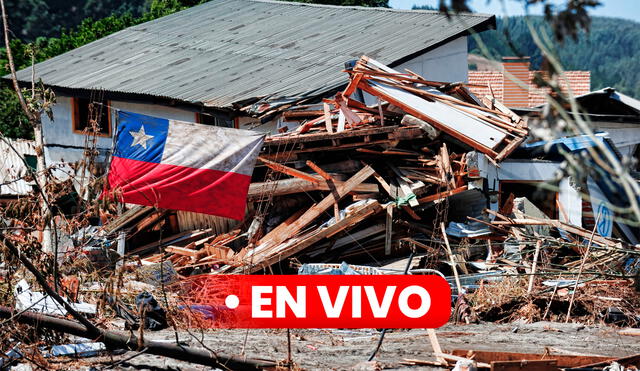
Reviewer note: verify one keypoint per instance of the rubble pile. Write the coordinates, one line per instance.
(386, 167)
(382, 176)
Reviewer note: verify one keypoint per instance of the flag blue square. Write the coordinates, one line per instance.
(140, 137)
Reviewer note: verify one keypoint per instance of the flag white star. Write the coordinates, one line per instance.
(140, 137)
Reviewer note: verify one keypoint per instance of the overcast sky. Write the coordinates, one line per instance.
(629, 9)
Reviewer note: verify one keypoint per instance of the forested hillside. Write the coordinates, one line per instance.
(30, 19)
(609, 51)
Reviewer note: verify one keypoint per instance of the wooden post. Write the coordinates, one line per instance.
(327, 117)
(533, 267)
(435, 345)
(389, 229)
(454, 265)
(584, 260)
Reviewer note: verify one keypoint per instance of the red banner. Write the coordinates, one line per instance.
(321, 301)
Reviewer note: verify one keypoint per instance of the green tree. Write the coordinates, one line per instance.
(13, 122)
(31, 19)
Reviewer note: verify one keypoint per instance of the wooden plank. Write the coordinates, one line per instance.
(315, 211)
(446, 167)
(183, 238)
(388, 229)
(319, 170)
(411, 213)
(181, 251)
(492, 102)
(351, 116)
(513, 144)
(454, 265)
(330, 182)
(562, 360)
(384, 184)
(630, 332)
(435, 345)
(404, 186)
(291, 139)
(484, 145)
(269, 257)
(606, 242)
(300, 114)
(442, 195)
(534, 266)
(327, 118)
(353, 84)
(529, 365)
(296, 185)
(288, 170)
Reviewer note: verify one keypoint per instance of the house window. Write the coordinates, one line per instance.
(209, 119)
(86, 112)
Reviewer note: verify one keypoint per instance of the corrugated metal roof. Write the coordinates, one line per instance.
(12, 168)
(228, 51)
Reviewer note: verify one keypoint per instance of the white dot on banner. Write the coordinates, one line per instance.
(232, 302)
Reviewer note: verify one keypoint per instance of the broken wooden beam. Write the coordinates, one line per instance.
(269, 256)
(295, 185)
(274, 238)
(288, 170)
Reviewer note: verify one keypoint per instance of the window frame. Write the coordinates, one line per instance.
(76, 119)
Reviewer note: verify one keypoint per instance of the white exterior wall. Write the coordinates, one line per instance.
(445, 63)
(62, 144)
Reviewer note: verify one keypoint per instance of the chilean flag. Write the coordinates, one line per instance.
(183, 166)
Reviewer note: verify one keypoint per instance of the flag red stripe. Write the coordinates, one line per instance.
(179, 188)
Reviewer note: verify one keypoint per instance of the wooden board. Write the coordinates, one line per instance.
(536, 365)
(276, 237)
(562, 360)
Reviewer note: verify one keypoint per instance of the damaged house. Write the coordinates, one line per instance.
(371, 137)
(237, 63)
(536, 171)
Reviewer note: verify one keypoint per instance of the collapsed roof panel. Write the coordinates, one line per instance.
(495, 131)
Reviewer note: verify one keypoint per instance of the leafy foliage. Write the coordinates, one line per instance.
(609, 50)
(30, 19)
(13, 122)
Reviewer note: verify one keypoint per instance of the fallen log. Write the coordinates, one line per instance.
(116, 340)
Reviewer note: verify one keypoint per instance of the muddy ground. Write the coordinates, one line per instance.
(344, 349)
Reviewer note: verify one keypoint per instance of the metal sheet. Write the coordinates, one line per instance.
(455, 120)
(228, 51)
(12, 168)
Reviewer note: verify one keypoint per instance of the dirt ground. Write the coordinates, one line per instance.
(344, 349)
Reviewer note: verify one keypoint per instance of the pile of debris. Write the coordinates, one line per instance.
(384, 176)
(352, 180)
